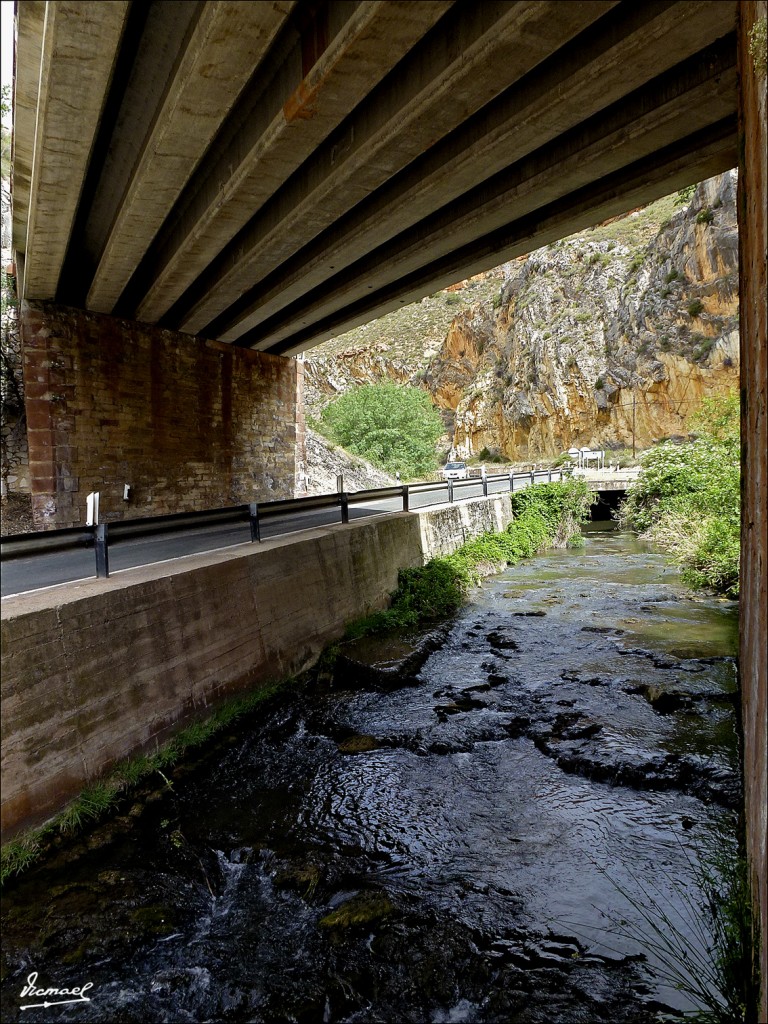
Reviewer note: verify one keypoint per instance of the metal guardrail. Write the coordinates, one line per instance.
(105, 535)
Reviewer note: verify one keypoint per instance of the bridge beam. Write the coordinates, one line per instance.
(281, 130)
(345, 158)
(84, 40)
(526, 141)
(228, 41)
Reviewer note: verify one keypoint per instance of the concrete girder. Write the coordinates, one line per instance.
(553, 98)
(393, 127)
(79, 46)
(354, 62)
(710, 151)
(30, 24)
(228, 41)
(677, 104)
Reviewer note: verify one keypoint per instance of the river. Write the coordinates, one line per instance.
(490, 835)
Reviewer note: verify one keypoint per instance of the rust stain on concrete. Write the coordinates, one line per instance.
(300, 104)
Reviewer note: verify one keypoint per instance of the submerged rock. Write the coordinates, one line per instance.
(361, 910)
(385, 662)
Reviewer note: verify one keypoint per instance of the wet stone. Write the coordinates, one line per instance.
(385, 662)
(358, 744)
(501, 642)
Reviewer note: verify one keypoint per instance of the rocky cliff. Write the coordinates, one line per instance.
(607, 338)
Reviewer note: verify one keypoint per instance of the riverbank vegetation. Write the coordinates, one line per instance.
(545, 515)
(687, 499)
(712, 960)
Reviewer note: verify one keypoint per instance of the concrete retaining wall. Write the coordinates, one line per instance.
(97, 671)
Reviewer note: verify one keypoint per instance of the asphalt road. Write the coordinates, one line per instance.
(20, 575)
(34, 572)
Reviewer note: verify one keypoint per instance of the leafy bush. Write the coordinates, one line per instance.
(685, 195)
(396, 428)
(636, 263)
(687, 498)
(705, 216)
(703, 348)
(695, 306)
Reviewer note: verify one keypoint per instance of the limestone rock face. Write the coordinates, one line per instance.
(598, 342)
(608, 339)
(327, 377)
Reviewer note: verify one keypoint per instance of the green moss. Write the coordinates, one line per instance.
(154, 920)
(358, 744)
(303, 878)
(363, 909)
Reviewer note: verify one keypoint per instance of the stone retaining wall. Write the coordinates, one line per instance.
(186, 423)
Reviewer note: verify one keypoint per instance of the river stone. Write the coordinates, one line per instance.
(358, 744)
(385, 662)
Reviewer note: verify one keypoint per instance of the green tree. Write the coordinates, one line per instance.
(396, 428)
(685, 195)
(687, 498)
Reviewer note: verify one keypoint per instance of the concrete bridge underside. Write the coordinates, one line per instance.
(195, 180)
(273, 174)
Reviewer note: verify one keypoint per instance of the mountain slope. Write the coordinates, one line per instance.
(607, 338)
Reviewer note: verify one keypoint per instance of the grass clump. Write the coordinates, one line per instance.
(706, 945)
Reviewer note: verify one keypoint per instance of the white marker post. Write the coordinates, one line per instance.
(92, 509)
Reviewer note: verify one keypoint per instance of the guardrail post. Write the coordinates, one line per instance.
(406, 499)
(533, 476)
(102, 553)
(253, 519)
(450, 491)
(485, 486)
(344, 498)
(550, 476)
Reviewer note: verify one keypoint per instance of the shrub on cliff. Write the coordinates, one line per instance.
(396, 428)
(687, 499)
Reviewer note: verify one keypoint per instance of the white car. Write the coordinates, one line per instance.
(455, 471)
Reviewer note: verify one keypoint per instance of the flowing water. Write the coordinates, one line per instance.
(488, 837)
